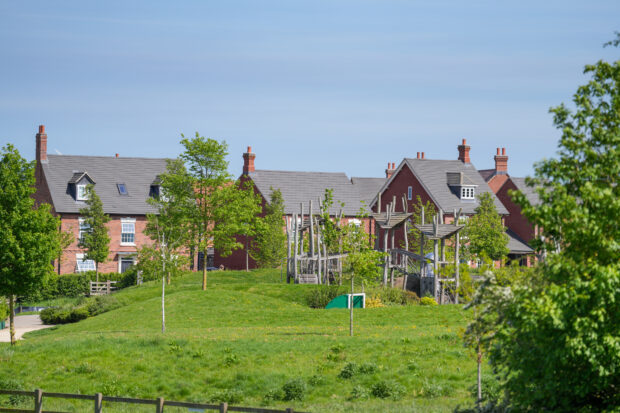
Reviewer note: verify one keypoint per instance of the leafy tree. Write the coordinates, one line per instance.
(559, 346)
(222, 209)
(269, 247)
(95, 241)
(486, 235)
(29, 236)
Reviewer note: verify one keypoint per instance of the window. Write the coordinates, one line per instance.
(128, 231)
(81, 192)
(84, 228)
(125, 263)
(409, 193)
(83, 265)
(355, 221)
(122, 189)
(467, 192)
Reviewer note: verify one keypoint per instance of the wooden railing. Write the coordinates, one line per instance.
(98, 400)
(102, 288)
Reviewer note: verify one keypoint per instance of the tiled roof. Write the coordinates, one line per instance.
(433, 177)
(368, 187)
(516, 245)
(486, 174)
(136, 173)
(301, 187)
(528, 191)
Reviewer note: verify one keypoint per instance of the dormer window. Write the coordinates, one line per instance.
(82, 194)
(468, 192)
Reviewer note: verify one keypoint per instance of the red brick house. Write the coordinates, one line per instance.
(123, 184)
(298, 188)
(449, 185)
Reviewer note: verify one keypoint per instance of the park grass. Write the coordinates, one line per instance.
(244, 338)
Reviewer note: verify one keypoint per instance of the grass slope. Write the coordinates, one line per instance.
(243, 338)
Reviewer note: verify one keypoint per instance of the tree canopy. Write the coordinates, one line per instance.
(96, 240)
(29, 236)
(269, 246)
(485, 234)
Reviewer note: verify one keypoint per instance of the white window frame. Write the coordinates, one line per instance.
(82, 228)
(80, 192)
(132, 222)
(125, 257)
(410, 193)
(355, 221)
(82, 265)
(468, 192)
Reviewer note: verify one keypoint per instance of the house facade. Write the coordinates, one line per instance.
(123, 184)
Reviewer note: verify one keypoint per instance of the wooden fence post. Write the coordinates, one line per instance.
(289, 410)
(38, 401)
(160, 405)
(98, 402)
(223, 407)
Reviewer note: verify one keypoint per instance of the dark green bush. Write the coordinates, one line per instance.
(75, 285)
(294, 389)
(395, 296)
(232, 396)
(348, 371)
(85, 308)
(387, 389)
(101, 304)
(321, 295)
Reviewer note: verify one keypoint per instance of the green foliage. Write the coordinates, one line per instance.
(95, 241)
(232, 396)
(395, 296)
(29, 236)
(294, 389)
(4, 309)
(73, 313)
(387, 389)
(427, 301)
(485, 232)
(269, 246)
(321, 295)
(558, 344)
(76, 285)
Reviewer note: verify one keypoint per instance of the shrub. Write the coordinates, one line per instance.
(316, 380)
(428, 301)
(374, 302)
(101, 303)
(359, 392)
(321, 295)
(434, 389)
(368, 368)
(294, 389)
(273, 395)
(395, 296)
(13, 384)
(348, 371)
(387, 389)
(227, 395)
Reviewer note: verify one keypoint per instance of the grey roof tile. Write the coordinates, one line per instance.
(528, 191)
(136, 173)
(433, 177)
(516, 245)
(301, 187)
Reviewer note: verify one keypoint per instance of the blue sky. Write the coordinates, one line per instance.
(313, 85)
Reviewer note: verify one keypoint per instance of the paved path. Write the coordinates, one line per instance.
(23, 324)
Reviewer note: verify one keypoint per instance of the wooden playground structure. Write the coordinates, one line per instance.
(318, 266)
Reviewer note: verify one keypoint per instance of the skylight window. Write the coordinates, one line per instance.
(122, 189)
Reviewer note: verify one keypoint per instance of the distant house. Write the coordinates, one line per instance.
(298, 188)
(449, 185)
(123, 184)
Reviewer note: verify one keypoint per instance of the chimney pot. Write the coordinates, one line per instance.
(41, 128)
(418, 156)
(498, 151)
(464, 141)
(464, 152)
(248, 161)
(117, 155)
(423, 156)
(503, 151)
(393, 165)
(249, 149)
(501, 162)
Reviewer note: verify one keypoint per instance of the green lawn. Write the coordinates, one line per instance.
(244, 338)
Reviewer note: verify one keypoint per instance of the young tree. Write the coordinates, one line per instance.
(559, 347)
(29, 236)
(95, 241)
(269, 246)
(413, 233)
(169, 226)
(222, 209)
(486, 235)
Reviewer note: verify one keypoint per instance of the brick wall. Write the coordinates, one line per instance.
(515, 221)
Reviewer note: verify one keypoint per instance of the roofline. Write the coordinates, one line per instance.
(109, 157)
(297, 172)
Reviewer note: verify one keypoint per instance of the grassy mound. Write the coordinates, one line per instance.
(251, 340)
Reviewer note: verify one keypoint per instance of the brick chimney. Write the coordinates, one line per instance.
(464, 152)
(390, 170)
(41, 145)
(248, 161)
(501, 162)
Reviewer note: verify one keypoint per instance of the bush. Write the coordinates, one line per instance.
(86, 308)
(294, 389)
(374, 302)
(4, 309)
(359, 392)
(101, 303)
(75, 285)
(428, 301)
(232, 396)
(395, 296)
(321, 295)
(387, 389)
(348, 371)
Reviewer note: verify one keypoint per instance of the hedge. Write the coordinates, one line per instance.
(75, 285)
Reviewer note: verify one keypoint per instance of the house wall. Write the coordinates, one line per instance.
(399, 187)
(516, 221)
(70, 223)
(496, 182)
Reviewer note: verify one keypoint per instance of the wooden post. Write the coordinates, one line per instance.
(98, 402)
(223, 407)
(325, 258)
(405, 257)
(301, 231)
(311, 250)
(289, 410)
(160, 405)
(443, 259)
(295, 223)
(318, 248)
(457, 260)
(387, 257)
(38, 401)
(108, 286)
(435, 260)
(289, 226)
(423, 262)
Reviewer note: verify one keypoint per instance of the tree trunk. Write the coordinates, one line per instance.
(247, 255)
(351, 310)
(479, 376)
(163, 302)
(168, 278)
(204, 270)
(12, 318)
(97, 271)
